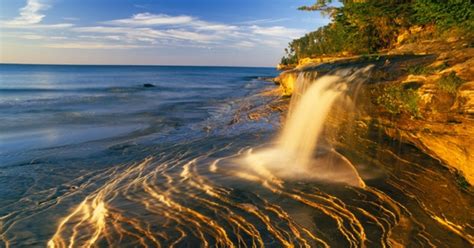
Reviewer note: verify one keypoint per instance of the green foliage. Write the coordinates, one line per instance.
(445, 14)
(360, 27)
(450, 83)
(320, 5)
(421, 69)
(288, 60)
(396, 99)
(327, 40)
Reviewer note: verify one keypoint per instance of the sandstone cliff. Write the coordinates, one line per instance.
(425, 98)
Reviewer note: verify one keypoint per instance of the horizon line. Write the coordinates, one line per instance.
(138, 65)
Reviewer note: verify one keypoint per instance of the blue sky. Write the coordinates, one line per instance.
(171, 32)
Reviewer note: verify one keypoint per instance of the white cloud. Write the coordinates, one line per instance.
(150, 35)
(127, 34)
(32, 36)
(99, 37)
(192, 36)
(37, 26)
(277, 31)
(132, 32)
(161, 28)
(31, 17)
(156, 30)
(273, 43)
(182, 21)
(30, 14)
(91, 45)
(263, 21)
(244, 44)
(147, 19)
(217, 27)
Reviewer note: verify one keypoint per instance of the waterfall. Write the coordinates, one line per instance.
(306, 116)
(296, 154)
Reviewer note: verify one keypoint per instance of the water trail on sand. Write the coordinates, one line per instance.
(296, 153)
(190, 194)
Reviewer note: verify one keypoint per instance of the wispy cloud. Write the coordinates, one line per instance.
(277, 31)
(33, 36)
(192, 36)
(147, 34)
(147, 19)
(91, 45)
(30, 18)
(150, 30)
(37, 26)
(162, 28)
(28, 36)
(30, 14)
(217, 27)
(244, 44)
(264, 21)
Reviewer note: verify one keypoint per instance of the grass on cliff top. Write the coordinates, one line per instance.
(421, 69)
(450, 83)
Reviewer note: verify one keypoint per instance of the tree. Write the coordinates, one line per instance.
(366, 26)
(320, 5)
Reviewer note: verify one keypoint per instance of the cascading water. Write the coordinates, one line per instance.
(296, 153)
(306, 119)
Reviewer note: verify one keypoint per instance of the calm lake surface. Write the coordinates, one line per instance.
(89, 156)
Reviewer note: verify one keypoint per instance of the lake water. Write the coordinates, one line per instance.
(89, 156)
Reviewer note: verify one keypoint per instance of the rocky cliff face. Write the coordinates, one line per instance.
(424, 100)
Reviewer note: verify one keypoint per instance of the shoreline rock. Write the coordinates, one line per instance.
(424, 100)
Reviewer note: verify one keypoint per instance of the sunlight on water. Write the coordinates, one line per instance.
(220, 183)
(188, 206)
(308, 114)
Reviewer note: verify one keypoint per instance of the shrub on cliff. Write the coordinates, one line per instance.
(450, 83)
(395, 99)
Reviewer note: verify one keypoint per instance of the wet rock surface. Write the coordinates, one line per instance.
(425, 100)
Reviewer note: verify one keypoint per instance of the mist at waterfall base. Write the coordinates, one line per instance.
(91, 158)
(294, 155)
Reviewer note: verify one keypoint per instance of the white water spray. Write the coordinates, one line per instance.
(306, 118)
(294, 155)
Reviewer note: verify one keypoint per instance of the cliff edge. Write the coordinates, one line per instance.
(420, 93)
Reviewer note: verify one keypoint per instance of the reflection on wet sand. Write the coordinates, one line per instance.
(168, 202)
(222, 190)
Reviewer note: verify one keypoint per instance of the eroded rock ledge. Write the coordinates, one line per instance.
(426, 99)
